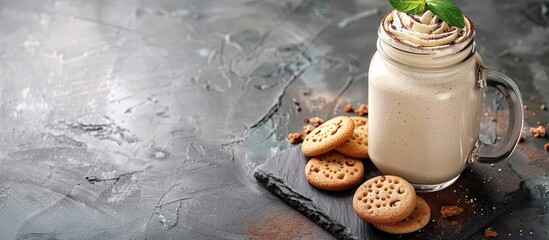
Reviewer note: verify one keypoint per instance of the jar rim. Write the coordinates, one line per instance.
(433, 69)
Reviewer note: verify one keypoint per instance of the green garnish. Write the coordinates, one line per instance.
(445, 9)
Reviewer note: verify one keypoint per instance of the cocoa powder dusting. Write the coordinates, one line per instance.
(533, 154)
(280, 227)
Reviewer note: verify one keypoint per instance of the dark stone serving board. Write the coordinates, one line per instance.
(484, 191)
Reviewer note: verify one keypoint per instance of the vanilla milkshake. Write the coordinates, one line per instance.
(425, 99)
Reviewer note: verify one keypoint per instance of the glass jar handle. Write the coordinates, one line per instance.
(491, 153)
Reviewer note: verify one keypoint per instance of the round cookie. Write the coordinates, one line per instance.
(418, 219)
(357, 145)
(334, 172)
(328, 136)
(384, 199)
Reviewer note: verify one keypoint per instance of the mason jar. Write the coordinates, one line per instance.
(425, 106)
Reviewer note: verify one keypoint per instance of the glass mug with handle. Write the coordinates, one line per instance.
(425, 106)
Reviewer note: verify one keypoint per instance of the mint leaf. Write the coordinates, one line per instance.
(409, 6)
(447, 11)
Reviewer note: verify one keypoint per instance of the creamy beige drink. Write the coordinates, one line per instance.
(424, 102)
(428, 125)
(425, 97)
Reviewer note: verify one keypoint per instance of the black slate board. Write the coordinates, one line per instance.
(484, 191)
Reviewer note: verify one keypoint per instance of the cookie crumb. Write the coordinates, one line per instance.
(448, 211)
(538, 132)
(521, 139)
(295, 138)
(543, 107)
(362, 110)
(297, 105)
(348, 108)
(489, 233)
(546, 146)
(307, 129)
(316, 121)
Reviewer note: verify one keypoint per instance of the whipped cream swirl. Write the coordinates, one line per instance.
(427, 30)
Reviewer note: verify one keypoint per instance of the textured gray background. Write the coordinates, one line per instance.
(145, 119)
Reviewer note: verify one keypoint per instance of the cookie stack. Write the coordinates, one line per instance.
(390, 204)
(336, 147)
